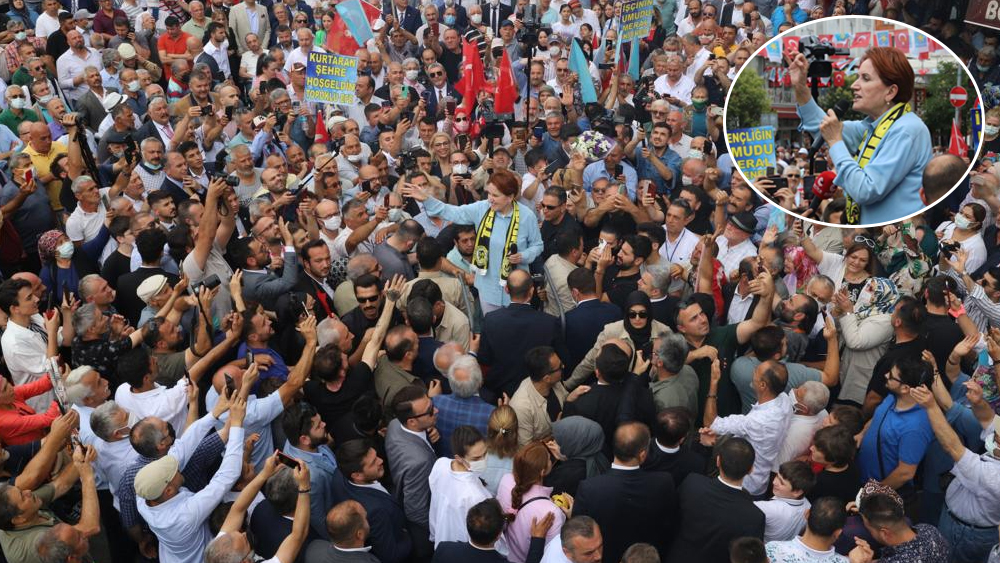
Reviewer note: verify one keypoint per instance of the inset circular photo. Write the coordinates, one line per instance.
(867, 113)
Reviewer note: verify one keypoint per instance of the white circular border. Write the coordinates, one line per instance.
(799, 28)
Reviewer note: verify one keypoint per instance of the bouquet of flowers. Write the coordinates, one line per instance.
(593, 146)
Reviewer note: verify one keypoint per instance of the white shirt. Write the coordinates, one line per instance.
(784, 518)
(260, 414)
(680, 250)
(181, 523)
(88, 438)
(169, 404)
(795, 551)
(799, 437)
(420, 32)
(27, 358)
(681, 90)
(297, 56)
(731, 256)
(46, 25)
(532, 203)
(554, 551)
(739, 307)
(973, 245)
(764, 427)
(69, 65)
(220, 56)
(699, 60)
(248, 62)
(453, 493)
(112, 460)
(682, 147)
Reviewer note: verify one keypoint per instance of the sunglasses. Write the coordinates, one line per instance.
(461, 119)
(866, 240)
(301, 21)
(638, 314)
(370, 299)
(436, 73)
(550, 207)
(429, 412)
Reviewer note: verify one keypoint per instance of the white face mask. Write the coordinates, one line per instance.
(332, 224)
(991, 130)
(395, 214)
(476, 18)
(687, 181)
(411, 75)
(354, 158)
(134, 86)
(477, 466)
(18, 103)
(460, 169)
(65, 250)
(43, 100)
(696, 154)
(20, 35)
(962, 222)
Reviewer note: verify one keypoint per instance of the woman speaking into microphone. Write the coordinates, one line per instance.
(879, 160)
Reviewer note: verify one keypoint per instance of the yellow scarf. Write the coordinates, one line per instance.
(867, 148)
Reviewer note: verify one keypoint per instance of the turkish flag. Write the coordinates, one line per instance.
(473, 76)
(957, 144)
(861, 40)
(786, 80)
(901, 40)
(339, 39)
(838, 78)
(827, 38)
(506, 87)
(790, 45)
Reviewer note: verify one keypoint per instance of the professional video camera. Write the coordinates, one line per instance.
(818, 52)
(531, 24)
(493, 123)
(407, 161)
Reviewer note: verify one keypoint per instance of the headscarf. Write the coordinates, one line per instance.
(873, 487)
(640, 337)
(877, 297)
(47, 244)
(582, 438)
(803, 267)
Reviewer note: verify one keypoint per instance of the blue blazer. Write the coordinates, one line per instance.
(583, 324)
(411, 20)
(389, 539)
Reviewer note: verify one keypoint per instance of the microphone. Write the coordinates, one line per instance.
(822, 188)
(840, 108)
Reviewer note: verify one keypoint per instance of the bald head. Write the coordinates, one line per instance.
(446, 354)
(519, 286)
(219, 379)
(347, 524)
(940, 175)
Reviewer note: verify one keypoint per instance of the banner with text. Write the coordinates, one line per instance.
(637, 16)
(752, 149)
(330, 79)
(984, 12)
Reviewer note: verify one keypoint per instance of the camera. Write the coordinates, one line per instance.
(336, 145)
(493, 128)
(206, 110)
(531, 25)
(280, 120)
(950, 247)
(407, 161)
(818, 52)
(644, 92)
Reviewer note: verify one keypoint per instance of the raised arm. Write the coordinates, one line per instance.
(764, 287)
(393, 291)
(90, 510)
(943, 431)
(237, 512)
(297, 375)
(290, 546)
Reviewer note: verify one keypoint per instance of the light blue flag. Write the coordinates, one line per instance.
(633, 60)
(357, 22)
(578, 64)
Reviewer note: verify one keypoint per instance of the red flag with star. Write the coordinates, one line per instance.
(473, 78)
(506, 87)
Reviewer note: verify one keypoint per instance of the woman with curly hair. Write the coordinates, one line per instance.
(525, 499)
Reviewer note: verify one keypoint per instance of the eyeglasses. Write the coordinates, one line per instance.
(301, 21)
(370, 299)
(550, 207)
(433, 74)
(558, 369)
(869, 242)
(638, 314)
(429, 412)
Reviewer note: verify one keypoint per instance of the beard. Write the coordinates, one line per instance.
(783, 314)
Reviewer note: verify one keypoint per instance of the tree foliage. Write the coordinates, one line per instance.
(748, 101)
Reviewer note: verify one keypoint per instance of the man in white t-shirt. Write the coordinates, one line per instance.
(90, 215)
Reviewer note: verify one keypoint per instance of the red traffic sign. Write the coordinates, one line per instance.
(958, 96)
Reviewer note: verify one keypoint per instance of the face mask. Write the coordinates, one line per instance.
(43, 100)
(695, 154)
(449, 20)
(18, 103)
(354, 158)
(991, 130)
(460, 169)
(332, 224)
(738, 2)
(982, 68)
(134, 86)
(476, 18)
(962, 222)
(120, 66)
(20, 35)
(395, 214)
(462, 127)
(411, 75)
(153, 167)
(118, 154)
(554, 53)
(699, 104)
(65, 250)
(687, 181)
(477, 466)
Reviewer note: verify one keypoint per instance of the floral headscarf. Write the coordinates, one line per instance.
(803, 267)
(907, 269)
(47, 244)
(878, 297)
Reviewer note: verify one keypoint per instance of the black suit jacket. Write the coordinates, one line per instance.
(630, 506)
(680, 464)
(270, 529)
(433, 103)
(389, 539)
(712, 515)
(507, 336)
(504, 12)
(177, 192)
(322, 303)
(126, 301)
(583, 324)
(462, 552)
(149, 129)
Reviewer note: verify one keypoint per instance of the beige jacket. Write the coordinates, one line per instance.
(611, 330)
(532, 414)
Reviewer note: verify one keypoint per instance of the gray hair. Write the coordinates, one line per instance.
(410, 60)
(220, 550)
(469, 385)
(85, 283)
(78, 183)
(277, 93)
(156, 100)
(18, 159)
(51, 549)
(823, 280)
(108, 57)
(282, 492)
(446, 354)
(76, 391)
(326, 332)
(672, 351)
(149, 140)
(577, 527)
(255, 208)
(661, 276)
(359, 265)
(101, 420)
(178, 66)
(145, 437)
(85, 317)
(815, 396)
(140, 72)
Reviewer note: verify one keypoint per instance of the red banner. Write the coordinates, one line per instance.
(984, 13)
(862, 40)
(901, 40)
(790, 45)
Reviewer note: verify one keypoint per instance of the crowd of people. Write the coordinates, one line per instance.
(239, 326)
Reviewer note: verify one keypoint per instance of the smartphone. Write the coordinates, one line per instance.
(619, 170)
(286, 460)
(746, 20)
(230, 386)
(249, 357)
(651, 190)
(106, 202)
(75, 440)
(769, 171)
(716, 112)
(67, 295)
(211, 282)
(820, 165)
(551, 168)
(513, 249)
(450, 105)
(623, 190)
(29, 175)
(230, 111)
(779, 182)
(437, 28)
(385, 201)
(538, 131)
(463, 140)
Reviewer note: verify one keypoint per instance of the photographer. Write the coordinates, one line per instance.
(121, 160)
